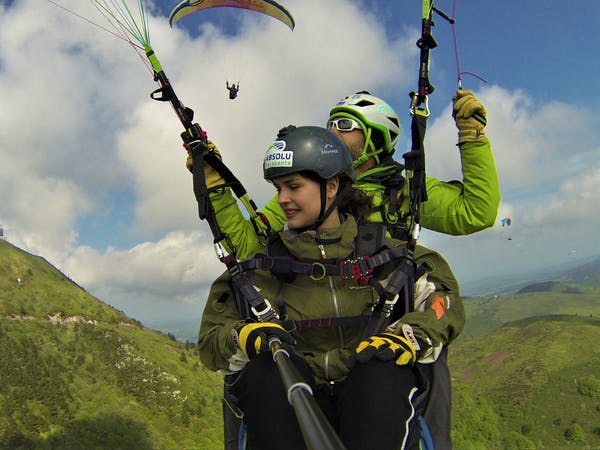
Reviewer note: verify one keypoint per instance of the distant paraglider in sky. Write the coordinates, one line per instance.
(268, 7)
(233, 89)
(506, 221)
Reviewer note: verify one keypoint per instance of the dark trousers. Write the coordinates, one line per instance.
(438, 410)
(374, 408)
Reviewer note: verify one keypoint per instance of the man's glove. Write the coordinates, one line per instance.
(212, 177)
(387, 347)
(253, 338)
(470, 117)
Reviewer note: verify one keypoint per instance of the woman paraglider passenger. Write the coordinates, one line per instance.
(358, 324)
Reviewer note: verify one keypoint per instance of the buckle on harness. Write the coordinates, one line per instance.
(267, 314)
(358, 269)
(315, 275)
(388, 306)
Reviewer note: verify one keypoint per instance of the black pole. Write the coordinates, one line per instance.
(316, 430)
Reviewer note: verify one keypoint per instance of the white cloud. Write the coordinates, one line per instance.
(576, 201)
(171, 266)
(162, 279)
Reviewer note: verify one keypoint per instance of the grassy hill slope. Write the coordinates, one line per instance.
(533, 383)
(76, 373)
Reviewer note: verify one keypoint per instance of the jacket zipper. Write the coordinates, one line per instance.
(337, 311)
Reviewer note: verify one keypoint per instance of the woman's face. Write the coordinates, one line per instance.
(300, 199)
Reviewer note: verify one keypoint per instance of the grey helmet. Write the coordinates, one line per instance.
(308, 149)
(316, 150)
(379, 122)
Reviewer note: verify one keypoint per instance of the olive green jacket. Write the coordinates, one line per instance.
(439, 316)
(455, 207)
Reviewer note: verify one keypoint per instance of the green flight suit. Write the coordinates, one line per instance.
(438, 317)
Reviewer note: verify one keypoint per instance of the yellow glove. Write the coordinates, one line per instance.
(470, 117)
(385, 347)
(212, 177)
(253, 338)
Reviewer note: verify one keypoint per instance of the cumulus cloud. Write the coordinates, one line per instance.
(152, 279)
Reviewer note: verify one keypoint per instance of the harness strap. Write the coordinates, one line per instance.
(328, 322)
(244, 289)
(359, 269)
(396, 295)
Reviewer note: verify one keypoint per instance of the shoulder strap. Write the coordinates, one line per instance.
(370, 238)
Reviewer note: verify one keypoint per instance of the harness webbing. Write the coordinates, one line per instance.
(419, 111)
(205, 208)
(360, 268)
(395, 293)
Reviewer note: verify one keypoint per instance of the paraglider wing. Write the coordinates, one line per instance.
(269, 7)
(506, 221)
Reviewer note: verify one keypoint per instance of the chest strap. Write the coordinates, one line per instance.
(359, 269)
(328, 322)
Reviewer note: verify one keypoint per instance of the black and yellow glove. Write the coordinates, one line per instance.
(253, 338)
(470, 117)
(212, 177)
(387, 347)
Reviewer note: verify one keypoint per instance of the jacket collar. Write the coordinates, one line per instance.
(338, 242)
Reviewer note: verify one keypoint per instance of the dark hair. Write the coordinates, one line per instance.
(356, 203)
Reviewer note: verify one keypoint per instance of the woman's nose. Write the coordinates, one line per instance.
(282, 197)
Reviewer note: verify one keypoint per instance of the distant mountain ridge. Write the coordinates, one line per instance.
(588, 273)
(550, 286)
(585, 272)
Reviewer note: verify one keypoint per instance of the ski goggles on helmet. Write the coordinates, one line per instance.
(344, 124)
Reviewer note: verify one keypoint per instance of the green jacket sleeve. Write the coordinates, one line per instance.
(215, 344)
(439, 314)
(463, 208)
(240, 229)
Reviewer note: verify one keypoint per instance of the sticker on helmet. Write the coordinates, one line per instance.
(278, 156)
(328, 148)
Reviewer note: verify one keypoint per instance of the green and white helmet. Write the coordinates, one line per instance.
(308, 149)
(378, 120)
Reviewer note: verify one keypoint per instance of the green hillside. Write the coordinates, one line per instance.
(529, 384)
(78, 374)
(486, 314)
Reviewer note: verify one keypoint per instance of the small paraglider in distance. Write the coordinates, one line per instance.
(506, 221)
(233, 89)
(267, 7)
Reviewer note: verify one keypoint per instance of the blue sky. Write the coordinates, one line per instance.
(92, 174)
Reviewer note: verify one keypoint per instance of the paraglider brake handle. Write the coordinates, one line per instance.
(162, 94)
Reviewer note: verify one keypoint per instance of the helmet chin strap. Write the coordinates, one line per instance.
(323, 215)
(366, 154)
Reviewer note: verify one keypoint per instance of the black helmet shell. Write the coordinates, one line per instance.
(308, 148)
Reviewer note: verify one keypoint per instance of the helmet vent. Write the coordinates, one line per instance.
(364, 103)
